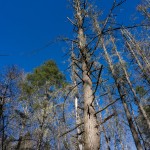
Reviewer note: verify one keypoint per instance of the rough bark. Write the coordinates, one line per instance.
(91, 127)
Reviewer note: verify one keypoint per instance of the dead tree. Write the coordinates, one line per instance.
(120, 89)
(131, 50)
(130, 84)
(91, 126)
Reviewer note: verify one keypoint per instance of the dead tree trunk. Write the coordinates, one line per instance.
(91, 126)
(128, 115)
(130, 85)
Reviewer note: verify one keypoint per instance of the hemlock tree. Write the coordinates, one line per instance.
(89, 69)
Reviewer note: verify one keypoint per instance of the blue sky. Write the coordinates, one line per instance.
(28, 25)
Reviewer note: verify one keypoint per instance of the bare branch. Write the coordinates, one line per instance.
(71, 129)
(109, 104)
(71, 21)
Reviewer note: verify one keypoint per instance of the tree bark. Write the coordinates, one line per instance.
(91, 127)
(131, 86)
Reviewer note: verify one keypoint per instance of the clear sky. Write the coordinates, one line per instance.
(28, 25)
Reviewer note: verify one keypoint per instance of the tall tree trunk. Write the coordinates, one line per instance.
(91, 126)
(130, 85)
(128, 115)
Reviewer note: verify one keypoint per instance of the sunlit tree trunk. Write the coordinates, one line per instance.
(91, 126)
(130, 84)
(128, 115)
